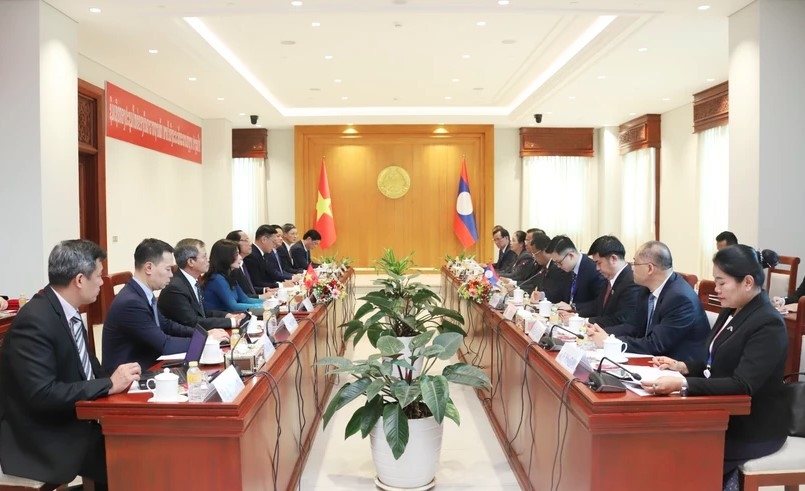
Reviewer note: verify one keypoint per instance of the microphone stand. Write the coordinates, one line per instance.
(551, 343)
(600, 381)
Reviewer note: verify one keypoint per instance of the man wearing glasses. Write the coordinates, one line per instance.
(669, 319)
(586, 282)
(550, 278)
(506, 256)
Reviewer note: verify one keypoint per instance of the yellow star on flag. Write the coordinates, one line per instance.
(323, 206)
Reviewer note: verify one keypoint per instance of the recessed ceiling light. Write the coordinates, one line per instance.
(337, 81)
(503, 2)
(642, 50)
(192, 79)
(220, 98)
(343, 97)
(571, 97)
(447, 97)
(399, 2)
(287, 42)
(509, 41)
(466, 57)
(480, 23)
(710, 80)
(95, 10)
(703, 7)
(241, 114)
(315, 24)
(666, 99)
(601, 77)
(632, 114)
(328, 57)
(296, 3)
(455, 80)
(153, 51)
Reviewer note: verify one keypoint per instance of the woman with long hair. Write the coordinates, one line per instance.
(221, 290)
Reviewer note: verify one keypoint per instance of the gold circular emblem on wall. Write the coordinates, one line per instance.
(393, 182)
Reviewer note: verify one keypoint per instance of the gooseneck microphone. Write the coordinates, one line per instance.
(551, 343)
(600, 381)
(242, 331)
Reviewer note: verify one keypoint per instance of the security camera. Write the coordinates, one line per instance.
(254, 117)
(537, 118)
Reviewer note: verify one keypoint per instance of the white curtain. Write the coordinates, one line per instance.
(249, 203)
(638, 199)
(560, 196)
(713, 163)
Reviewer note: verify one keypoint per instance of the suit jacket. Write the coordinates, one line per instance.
(552, 280)
(275, 272)
(286, 260)
(506, 259)
(800, 292)
(524, 268)
(42, 378)
(130, 332)
(748, 358)
(257, 266)
(244, 282)
(679, 324)
(589, 284)
(178, 302)
(620, 305)
(300, 256)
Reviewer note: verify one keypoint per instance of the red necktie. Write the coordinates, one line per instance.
(606, 295)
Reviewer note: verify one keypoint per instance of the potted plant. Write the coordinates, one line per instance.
(403, 412)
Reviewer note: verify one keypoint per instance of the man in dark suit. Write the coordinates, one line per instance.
(241, 274)
(506, 256)
(585, 280)
(669, 319)
(289, 236)
(276, 272)
(300, 252)
(46, 367)
(550, 278)
(256, 262)
(135, 329)
(181, 301)
(616, 303)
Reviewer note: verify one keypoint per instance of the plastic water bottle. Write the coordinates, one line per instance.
(22, 300)
(195, 383)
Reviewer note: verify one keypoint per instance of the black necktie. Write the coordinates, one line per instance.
(277, 256)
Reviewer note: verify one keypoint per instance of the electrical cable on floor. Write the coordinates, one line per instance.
(300, 399)
(275, 391)
(522, 389)
(560, 446)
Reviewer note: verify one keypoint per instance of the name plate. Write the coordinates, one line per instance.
(290, 323)
(228, 384)
(511, 309)
(569, 356)
(496, 300)
(307, 304)
(268, 348)
(537, 330)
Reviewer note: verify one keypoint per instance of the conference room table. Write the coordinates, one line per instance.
(259, 441)
(559, 434)
(5, 323)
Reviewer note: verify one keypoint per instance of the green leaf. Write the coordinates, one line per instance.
(386, 368)
(448, 326)
(449, 313)
(421, 340)
(354, 423)
(451, 411)
(464, 374)
(374, 388)
(395, 427)
(352, 328)
(404, 393)
(389, 345)
(344, 396)
(435, 394)
(371, 413)
(431, 351)
(337, 361)
(362, 310)
(451, 342)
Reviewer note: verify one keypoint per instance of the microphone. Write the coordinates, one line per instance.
(242, 333)
(551, 343)
(600, 381)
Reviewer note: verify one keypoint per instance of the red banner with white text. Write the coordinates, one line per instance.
(135, 120)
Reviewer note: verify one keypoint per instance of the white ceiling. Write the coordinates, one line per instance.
(398, 61)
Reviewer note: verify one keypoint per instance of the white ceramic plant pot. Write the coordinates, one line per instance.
(417, 466)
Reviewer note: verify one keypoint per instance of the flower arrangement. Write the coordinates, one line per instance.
(327, 290)
(476, 289)
(332, 265)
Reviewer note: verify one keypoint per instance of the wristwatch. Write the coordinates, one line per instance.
(683, 391)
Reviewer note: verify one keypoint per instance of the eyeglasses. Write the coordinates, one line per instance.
(633, 263)
(559, 262)
(243, 240)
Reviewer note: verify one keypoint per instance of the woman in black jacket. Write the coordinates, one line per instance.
(746, 349)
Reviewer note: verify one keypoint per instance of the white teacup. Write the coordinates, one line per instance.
(282, 294)
(577, 324)
(165, 386)
(272, 303)
(545, 308)
(613, 346)
(212, 352)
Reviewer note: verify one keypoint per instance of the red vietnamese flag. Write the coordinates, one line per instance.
(325, 223)
(311, 277)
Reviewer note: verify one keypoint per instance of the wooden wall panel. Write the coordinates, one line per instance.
(711, 107)
(566, 142)
(419, 222)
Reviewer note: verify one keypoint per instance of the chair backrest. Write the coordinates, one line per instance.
(795, 358)
(782, 279)
(692, 279)
(708, 297)
(108, 291)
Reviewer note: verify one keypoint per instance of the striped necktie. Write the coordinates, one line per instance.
(200, 299)
(78, 335)
(651, 300)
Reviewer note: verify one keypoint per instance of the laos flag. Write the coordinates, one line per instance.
(464, 221)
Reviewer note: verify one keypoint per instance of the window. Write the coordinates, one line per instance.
(249, 204)
(638, 198)
(713, 163)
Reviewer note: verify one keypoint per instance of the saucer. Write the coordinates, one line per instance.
(217, 361)
(598, 354)
(179, 398)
